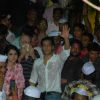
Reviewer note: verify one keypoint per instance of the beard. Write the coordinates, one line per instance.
(74, 54)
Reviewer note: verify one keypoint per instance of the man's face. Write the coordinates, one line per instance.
(43, 25)
(47, 47)
(75, 50)
(25, 39)
(57, 15)
(85, 41)
(93, 55)
(32, 14)
(77, 33)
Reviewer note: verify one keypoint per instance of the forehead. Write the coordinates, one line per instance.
(47, 42)
(25, 35)
(77, 28)
(75, 45)
(80, 97)
(12, 51)
(85, 37)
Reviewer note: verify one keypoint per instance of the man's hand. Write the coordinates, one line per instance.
(65, 32)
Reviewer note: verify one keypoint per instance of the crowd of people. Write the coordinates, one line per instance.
(49, 59)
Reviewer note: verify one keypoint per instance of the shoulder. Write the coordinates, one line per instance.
(18, 66)
(38, 61)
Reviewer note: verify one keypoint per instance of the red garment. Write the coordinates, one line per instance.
(17, 74)
(84, 53)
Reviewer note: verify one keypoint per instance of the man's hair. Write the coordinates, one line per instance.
(58, 9)
(29, 31)
(80, 25)
(77, 42)
(89, 35)
(50, 39)
(94, 47)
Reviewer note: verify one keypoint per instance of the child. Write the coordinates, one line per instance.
(2, 74)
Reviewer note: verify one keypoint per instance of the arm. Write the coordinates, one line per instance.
(66, 52)
(34, 74)
(65, 35)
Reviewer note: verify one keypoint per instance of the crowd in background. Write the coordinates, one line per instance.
(54, 56)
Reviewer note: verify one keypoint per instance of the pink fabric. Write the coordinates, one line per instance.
(84, 53)
(18, 75)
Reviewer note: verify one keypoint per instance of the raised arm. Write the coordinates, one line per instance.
(65, 35)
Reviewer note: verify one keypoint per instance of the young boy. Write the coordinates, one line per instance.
(3, 59)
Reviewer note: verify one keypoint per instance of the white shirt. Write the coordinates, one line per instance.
(52, 27)
(10, 37)
(49, 76)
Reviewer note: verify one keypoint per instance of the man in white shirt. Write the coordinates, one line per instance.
(47, 70)
(54, 24)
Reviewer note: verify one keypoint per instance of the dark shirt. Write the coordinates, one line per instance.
(3, 46)
(97, 67)
(72, 70)
(27, 67)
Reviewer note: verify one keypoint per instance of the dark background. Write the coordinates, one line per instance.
(17, 8)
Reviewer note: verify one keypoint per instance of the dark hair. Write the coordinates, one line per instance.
(94, 47)
(29, 31)
(80, 25)
(29, 98)
(91, 77)
(3, 30)
(58, 9)
(77, 42)
(9, 47)
(31, 9)
(54, 1)
(89, 35)
(48, 39)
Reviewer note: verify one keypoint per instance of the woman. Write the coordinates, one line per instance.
(14, 79)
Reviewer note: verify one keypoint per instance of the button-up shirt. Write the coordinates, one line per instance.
(49, 76)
